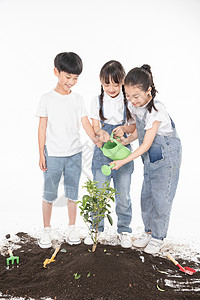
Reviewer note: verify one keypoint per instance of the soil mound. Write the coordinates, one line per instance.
(110, 273)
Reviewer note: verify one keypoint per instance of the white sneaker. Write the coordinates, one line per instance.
(88, 240)
(72, 236)
(126, 241)
(153, 246)
(142, 241)
(45, 240)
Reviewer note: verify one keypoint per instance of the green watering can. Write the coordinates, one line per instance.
(115, 151)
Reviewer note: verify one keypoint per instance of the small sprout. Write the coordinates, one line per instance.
(88, 275)
(76, 275)
(159, 288)
(104, 250)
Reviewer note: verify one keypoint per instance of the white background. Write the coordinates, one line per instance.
(164, 34)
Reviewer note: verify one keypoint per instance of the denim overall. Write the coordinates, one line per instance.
(121, 181)
(161, 173)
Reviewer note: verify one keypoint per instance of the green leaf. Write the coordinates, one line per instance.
(88, 275)
(110, 219)
(76, 275)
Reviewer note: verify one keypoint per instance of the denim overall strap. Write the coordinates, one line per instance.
(140, 124)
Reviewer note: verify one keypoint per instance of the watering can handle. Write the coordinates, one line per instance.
(113, 139)
(111, 136)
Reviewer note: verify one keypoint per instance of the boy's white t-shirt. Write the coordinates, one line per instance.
(64, 113)
(113, 109)
(165, 127)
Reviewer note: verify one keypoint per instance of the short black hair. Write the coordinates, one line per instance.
(68, 62)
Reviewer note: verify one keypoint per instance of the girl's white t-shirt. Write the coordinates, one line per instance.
(64, 113)
(165, 127)
(113, 109)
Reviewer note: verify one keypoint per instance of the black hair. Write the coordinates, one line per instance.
(114, 71)
(68, 62)
(143, 78)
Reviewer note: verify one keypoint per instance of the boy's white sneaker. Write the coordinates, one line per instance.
(125, 239)
(153, 246)
(45, 239)
(142, 241)
(88, 240)
(72, 236)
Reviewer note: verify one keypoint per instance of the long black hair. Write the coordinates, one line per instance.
(114, 71)
(143, 78)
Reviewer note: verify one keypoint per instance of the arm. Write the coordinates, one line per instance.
(41, 142)
(147, 142)
(132, 137)
(89, 130)
(103, 135)
(120, 130)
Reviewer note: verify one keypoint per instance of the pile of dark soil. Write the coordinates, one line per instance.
(110, 273)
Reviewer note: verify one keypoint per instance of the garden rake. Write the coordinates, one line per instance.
(12, 258)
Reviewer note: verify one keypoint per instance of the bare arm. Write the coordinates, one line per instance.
(41, 141)
(103, 135)
(89, 130)
(120, 130)
(147, 142)
(132, 137)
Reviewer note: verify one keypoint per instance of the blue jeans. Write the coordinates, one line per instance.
(70, 167)
(123, 207)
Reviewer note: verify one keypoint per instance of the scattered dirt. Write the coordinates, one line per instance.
(111, 273)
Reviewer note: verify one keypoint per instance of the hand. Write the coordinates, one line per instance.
(42, 163)
(98, 143)
(104, 136)
(118, 131)
(118, 164)
(124, 141)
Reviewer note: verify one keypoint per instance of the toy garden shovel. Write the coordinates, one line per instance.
(12, 258)
(186, 270)
(49, 260)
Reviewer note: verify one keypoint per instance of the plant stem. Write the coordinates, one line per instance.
(94, 247)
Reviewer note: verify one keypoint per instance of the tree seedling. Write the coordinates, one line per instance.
(95, 207)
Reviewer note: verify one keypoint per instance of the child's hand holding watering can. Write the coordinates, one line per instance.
(118, 164)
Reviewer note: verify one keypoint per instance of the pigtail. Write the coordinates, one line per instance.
(128, 114)
(101, 105)
(151, 104)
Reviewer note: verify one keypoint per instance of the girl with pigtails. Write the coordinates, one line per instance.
(160, 149)
(108, 111)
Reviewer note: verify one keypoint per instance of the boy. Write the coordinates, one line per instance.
(61, 113)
